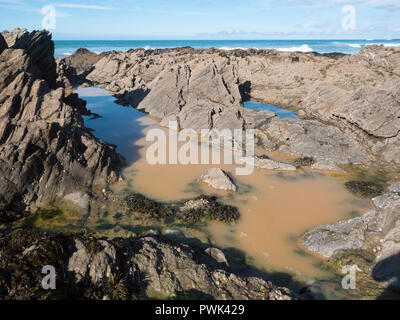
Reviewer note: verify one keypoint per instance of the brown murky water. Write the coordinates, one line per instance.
(276, 207)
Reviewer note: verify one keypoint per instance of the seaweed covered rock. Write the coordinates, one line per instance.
(305, 162)
(365, 189)
(120, 269)
(141, 204)
(194, 210)
(207, 207)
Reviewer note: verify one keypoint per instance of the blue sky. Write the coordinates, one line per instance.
(206, 19)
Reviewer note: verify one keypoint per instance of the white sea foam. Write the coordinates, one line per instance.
(303, 48)
(388, 45)
(67, 54)
(232, 48)
(392, 45)
(355, 45)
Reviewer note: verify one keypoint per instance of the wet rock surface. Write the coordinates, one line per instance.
(120, 269)
(375, 233)
(348, 104)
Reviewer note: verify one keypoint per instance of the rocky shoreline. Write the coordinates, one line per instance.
(47, 154)
(121, 269)
(349, 114)
(348, 105)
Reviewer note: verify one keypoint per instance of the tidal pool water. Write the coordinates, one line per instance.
(276, 207)
(282, 113)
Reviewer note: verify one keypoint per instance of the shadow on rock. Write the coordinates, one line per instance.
(387, 272)
(132, 98)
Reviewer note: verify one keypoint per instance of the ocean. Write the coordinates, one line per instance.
(64, 48)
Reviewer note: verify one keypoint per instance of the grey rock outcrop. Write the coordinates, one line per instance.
(218, 179)
(120, 269)
(72, 70)
(266, 163)
(376, 232)
(39, 47)
(349, 104)
(45, 150)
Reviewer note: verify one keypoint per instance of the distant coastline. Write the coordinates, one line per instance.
(64, 48)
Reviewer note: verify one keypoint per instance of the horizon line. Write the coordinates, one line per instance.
(333, 39)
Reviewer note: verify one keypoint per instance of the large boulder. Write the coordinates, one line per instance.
(218, 179)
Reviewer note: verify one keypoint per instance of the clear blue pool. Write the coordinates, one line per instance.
(282, 113)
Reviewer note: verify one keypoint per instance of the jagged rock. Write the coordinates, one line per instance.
(78, 263)
(3, 44)
(72, 70)
(327, 240)
(169, 270)
(39, 47)
(218, 179)
(14, 36)
(120, 269)
(45, 150)
(265, 162)
(349, 104)
(103, 263)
